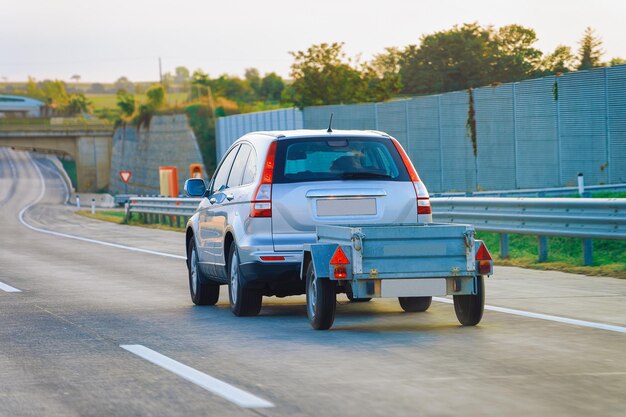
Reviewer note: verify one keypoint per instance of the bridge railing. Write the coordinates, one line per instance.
(583, 218)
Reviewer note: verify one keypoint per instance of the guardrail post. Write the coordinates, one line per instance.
(504, 245)
(178, 221)
(587, 252)
(543, 248)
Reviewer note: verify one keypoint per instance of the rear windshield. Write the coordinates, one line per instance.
(325, 159)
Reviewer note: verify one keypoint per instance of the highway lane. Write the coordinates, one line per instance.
(60, 337)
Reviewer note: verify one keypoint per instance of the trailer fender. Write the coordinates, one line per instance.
(320, 254)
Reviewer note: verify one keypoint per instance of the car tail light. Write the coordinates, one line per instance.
(272, 258)
(421, 193)
(261, 205)
(340, 260)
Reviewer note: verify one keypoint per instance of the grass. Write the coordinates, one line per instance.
(109, 101)
(564, 254)
(118, 217)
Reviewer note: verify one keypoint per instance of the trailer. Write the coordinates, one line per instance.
(411, 262)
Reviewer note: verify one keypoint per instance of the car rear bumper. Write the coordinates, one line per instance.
(276, 278)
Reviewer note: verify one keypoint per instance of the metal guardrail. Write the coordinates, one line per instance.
(163, 206)
(584, 218)
(597, 218)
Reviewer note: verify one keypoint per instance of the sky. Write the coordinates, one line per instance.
(103, 40)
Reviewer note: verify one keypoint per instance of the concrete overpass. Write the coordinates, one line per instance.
(89, 144)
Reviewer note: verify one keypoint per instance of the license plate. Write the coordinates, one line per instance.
(346, 207)
(413, 287)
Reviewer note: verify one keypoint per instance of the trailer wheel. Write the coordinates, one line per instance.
(415, 304)
(320, 300)
(469, 308)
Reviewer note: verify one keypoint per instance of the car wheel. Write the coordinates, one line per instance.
(321, 300)
(469, 308)
(243, 301)
(350, 296)
(415, 304)
(203, 292)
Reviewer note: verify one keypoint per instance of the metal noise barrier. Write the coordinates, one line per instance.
(597, 218)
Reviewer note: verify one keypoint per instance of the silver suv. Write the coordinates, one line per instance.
(269, 192)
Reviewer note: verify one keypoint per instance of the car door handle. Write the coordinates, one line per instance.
(212, 200)
(229, 197)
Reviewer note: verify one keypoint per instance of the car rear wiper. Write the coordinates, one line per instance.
(364, 175)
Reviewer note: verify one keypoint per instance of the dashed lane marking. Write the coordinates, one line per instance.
(233, 394)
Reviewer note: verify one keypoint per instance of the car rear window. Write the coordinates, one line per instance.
(324, 159)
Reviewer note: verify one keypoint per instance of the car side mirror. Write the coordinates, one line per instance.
(195, 187)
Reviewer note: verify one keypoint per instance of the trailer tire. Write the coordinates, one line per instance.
(321, 300)
(243, 301)
(415, 304)
(203, 292)
(469, 308)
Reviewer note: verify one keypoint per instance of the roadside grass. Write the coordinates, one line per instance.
(109, 101)
(118, 217)
(564, 254)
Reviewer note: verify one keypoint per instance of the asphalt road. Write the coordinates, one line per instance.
(552, 344)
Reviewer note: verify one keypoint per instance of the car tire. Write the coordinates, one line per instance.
(350, 296)
(203, 292)
(243, 301)
(469, 308)
(321, 300)
(415, 304)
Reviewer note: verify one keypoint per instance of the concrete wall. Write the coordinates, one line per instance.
(169, 141)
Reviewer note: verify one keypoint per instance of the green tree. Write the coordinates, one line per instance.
(200, 83)
(382, 75)
(123, 83)
(617, 61)
(455, 59)
(590, 50)
(234, 88)
(516, 57)
(126, 103)
(156, 97)
(272, 87)
(253, 78)
(77, 104)
(323, 75)
(181, 75)
(560, 61)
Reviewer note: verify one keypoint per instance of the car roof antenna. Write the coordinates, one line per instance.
(330, 124)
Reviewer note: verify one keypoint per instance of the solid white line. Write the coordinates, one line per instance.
(7, 288)
(521, 313)
(558, 319)
(83, 239)
(214, 385)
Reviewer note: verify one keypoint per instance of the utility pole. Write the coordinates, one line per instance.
(160, 72)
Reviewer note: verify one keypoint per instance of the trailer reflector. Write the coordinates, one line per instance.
(339, 257)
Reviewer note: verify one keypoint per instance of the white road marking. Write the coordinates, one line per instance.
(7, 288)
(84, 239)
(548, 317)
(233, 394)
(521, 313)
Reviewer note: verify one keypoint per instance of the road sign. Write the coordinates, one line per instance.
(125, 175)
